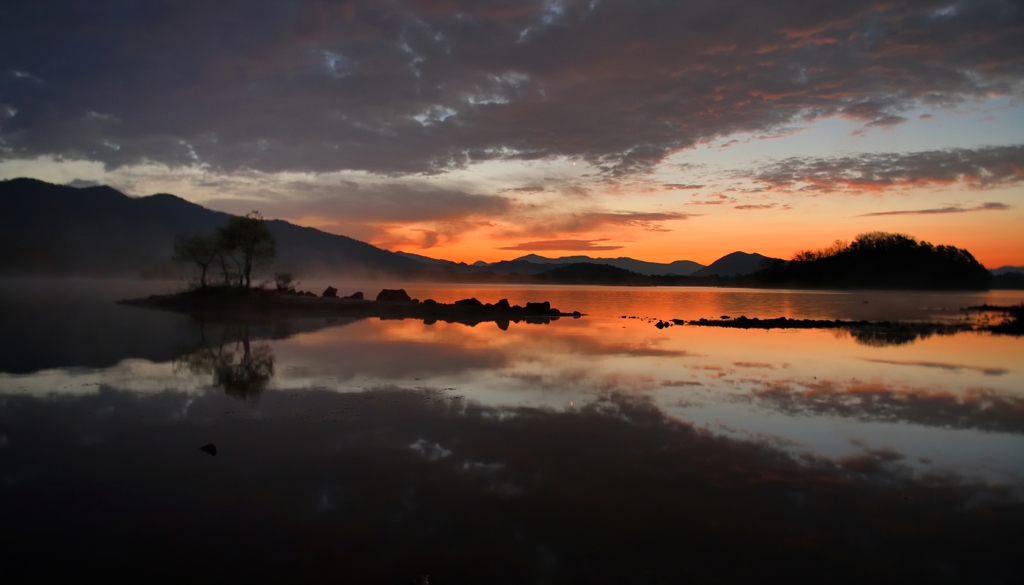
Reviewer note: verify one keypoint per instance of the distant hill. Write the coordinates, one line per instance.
(591, 273)
(1008, 277)
(48, 229)
(735, 264)
(881, 260)
(433, 261)
(1008, 269)
(683, 267)
(534, 264)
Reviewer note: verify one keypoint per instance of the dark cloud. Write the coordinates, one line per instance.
(532, 189)
(391, 202)
(410, 87)
(574, 245)
(976, 168)
(682, 186)
(991, 206)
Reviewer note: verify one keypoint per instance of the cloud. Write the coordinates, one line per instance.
(975, 168)
(427, 87)
(554, 224)
(574, 245)
(756, 206)
(375, 203)
(992, 206)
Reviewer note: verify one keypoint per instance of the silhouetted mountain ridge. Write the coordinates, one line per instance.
(99, 231)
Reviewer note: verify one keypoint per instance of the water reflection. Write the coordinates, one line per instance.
(238, 366)
(592, 450)
(387, 485)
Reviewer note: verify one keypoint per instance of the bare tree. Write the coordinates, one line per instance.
(200, 250)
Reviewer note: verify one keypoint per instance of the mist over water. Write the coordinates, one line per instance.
(599, 449)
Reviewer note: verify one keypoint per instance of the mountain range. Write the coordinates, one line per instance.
(48, 229)
(734, 264)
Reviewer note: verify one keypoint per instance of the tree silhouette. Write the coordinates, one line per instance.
(200, 250)
(249, 238)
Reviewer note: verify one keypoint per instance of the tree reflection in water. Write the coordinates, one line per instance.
(240, 367)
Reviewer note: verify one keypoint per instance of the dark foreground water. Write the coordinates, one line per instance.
(598, 450)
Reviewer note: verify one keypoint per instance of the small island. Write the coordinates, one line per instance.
(389, 304)
(225, 261)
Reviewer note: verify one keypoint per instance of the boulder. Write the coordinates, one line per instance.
(330, 293)
(544, 307)
(469, 303)
(502, 305)
(398, 295)
(358, 295)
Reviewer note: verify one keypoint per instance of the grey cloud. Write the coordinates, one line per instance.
(583, 222)
(991, 206)
(977, 168)
(426, 87)
(394, 202)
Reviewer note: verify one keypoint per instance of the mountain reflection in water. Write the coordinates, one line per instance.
(599, 450)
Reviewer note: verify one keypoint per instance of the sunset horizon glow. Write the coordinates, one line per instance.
(484, 131)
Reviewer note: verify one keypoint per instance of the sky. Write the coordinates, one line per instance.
(486, 130)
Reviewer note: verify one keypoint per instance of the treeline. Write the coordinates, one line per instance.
(880, 260)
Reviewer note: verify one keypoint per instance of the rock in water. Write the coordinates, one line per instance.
(503, 305)
(393, 295)
(330, 293)
(358, 295)
(469, 303)
(211, 449)
(544, 307)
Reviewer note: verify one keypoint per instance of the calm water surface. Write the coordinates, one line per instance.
(594, 450)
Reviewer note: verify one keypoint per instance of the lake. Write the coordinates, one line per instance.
(592, 450)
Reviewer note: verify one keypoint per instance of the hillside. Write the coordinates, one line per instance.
(881, 261)
(48, 229)
(735, 264)
(681, 267)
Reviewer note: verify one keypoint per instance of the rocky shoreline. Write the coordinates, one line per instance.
(870, 332)
(389, 304)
